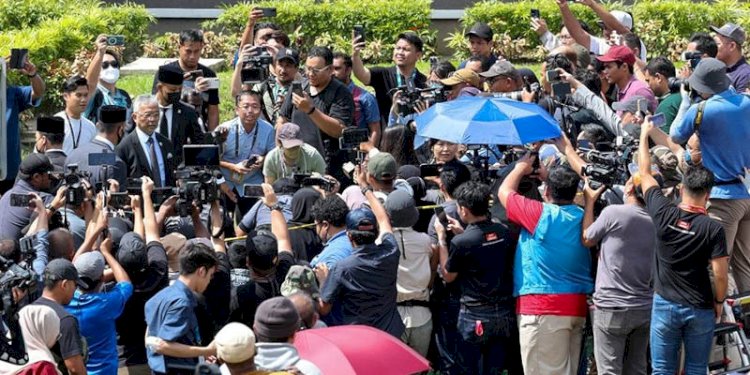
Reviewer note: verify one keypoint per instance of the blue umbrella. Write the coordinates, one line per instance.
(486, 121)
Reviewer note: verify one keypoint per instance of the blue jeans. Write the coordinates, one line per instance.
(673, 324)
(486, 352)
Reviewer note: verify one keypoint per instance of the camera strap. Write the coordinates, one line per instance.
(237, 138)
(699, 116)
(412, 77)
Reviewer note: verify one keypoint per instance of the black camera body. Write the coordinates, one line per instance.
(675, 83)
(255, 68)
(198, 185)
(73, 179)
(411, 96)
(693, 57)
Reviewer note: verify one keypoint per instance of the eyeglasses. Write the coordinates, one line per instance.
(494, 79)
(107, 64)
(316, 71)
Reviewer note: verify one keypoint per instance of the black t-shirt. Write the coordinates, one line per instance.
(247, 297)
(483, 259)
(335, 101)
(131, 324)
(213, 305)
(212, 97)
(687, 242)
(69, 344)
(383, 80)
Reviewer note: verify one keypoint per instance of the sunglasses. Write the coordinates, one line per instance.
(107, 64)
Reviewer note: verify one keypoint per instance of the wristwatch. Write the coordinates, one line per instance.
(32, 75)
(366, 189)
(276, 206)
(311, 111)
(718, 302)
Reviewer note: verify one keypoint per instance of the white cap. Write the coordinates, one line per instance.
(235, 343)
(623, 18)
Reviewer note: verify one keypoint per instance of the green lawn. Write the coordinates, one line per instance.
(141, 84)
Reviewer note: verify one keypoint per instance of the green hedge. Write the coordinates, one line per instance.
(330, 22)
(62, 46)
(664, 25)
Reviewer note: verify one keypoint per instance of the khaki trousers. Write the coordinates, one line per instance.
(550, 345)
(734, 216)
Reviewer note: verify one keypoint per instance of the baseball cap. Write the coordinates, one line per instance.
(709, 76)
(235, 343)
(276, 318)
(300, 279)
(170, 75)
(90, 267)
(618, 53)
(401, 209)
(35, 163)
(51, 125)
(132, 253)
(62, 269)
(731, 31)
(624, 18)
(462, 76)
(262, 250)
(361, 219)
(667, 163)
(481, 30)
(500, 68)
(382, 166)
(632, 104)
(174, 243)
(289, 135)
(288, 54)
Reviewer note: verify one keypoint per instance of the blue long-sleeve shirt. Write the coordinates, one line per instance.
(41, 244)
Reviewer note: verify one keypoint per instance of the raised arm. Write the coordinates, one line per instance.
(114, 265)
(510, 184)
(358, 67)
(95, 67)
(573, 25)
(278, 222)
(609, 20)
(149, 218)
(644, 157)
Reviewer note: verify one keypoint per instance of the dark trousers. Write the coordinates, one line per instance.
(485, 338)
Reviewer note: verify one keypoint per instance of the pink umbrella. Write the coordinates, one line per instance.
(357, 349)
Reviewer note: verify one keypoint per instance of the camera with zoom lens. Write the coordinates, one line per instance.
(198, 177)
(17, 275)
(693, 57)
(255, 68)
(675, 83)
(411, 96)
(73, 179)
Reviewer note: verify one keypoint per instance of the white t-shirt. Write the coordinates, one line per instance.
(78, 132)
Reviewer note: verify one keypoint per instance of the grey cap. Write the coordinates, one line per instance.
(633, 104)
(481, 30)
(90, 267)
(709, 77)
(501, 68)
(62, 269)
(731, 31)
(401, 209)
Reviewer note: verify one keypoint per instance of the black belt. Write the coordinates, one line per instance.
(730, 182)
(413, 302)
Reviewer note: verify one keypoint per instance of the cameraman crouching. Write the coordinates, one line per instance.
(720, 121)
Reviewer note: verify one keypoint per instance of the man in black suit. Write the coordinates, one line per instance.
(177, 120)
(50, 134)
(110, 129)
(145, 151)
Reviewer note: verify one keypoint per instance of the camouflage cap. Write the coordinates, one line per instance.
(300, 279)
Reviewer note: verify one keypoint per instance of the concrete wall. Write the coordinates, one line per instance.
(175, 16)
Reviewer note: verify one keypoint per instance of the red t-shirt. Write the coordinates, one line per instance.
(526, 213)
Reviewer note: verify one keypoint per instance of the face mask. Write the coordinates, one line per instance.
(173, 97)
(110, 75)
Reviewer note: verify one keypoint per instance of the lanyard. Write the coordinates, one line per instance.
(76, 141)
(237, 139)
(411, 78)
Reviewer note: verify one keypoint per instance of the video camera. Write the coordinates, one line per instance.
(560, 90)
(15, 276)
(198, 177)
(518, 95)
(411, 96)
(73, 179)
(609, 166)
(255, 68)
